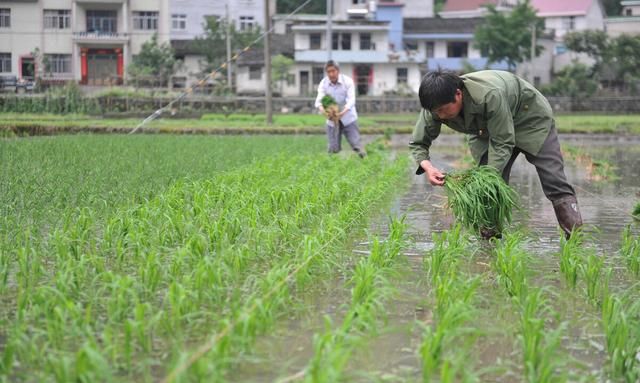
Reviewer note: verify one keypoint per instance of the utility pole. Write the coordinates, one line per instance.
(533, 50)
(329, 28)
(267, 62)
(229, 82)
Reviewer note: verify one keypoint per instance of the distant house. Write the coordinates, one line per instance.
(456, 9)
(627, 23)
(446, 43)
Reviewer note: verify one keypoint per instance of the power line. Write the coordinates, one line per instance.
(214, 72)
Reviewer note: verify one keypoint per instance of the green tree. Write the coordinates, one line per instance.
(280, 67)
(612, 7)
(155, 61)
(617, 57)
(314, 7)
(507, 36)
(575, 81)
(213, 44)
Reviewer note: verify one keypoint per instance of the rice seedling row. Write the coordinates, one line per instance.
(445, 349)
(130, 296)
(542, 359)
(371, 287)
(597, 169)
(620, 312)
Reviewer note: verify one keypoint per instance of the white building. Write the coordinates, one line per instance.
(367, 44)
(628, 22)
(90, 41)
(446, 43)
(188, 16)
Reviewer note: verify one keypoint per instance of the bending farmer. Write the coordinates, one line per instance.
(505, 116)
(341, 88)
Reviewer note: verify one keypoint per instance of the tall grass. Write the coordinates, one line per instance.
(630, 251)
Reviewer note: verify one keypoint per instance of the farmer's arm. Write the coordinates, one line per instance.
(350, 102)
(424, 133)
(321, 93)
(502, 137)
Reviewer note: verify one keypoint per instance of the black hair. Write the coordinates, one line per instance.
(331, 63)
(438, 88)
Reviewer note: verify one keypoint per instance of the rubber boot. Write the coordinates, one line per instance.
(568, 214)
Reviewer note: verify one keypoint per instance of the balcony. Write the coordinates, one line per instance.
(458, 63)
(100, 37)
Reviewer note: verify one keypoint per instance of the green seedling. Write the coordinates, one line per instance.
(630, 251)
(480, 199)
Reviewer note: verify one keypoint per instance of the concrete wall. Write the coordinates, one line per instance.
(623, 25)
(196, 10)
(417, 8)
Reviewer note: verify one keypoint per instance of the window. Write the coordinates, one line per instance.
(410, 46)
(431, 49)
(314, 41)
(255, 72)
(317, 74)
(5, 18)
(569, 23)
(402, 76)
(57, 18)
(457, 49)
(5, 62)
(365, 42)
(58, 63)
(246, 23)
(628, 12)
(145, 21)
(536, 81)
(102, 21)
(341, 41)
(178, 22)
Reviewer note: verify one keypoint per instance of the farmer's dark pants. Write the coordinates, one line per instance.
(549, 165)
(351, 132)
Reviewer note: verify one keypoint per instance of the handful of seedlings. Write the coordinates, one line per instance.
(480, 199)
(330, 108)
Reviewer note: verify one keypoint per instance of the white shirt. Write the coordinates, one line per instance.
(344, 92)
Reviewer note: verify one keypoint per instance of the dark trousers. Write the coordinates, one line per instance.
(351, 132)
(549, 165)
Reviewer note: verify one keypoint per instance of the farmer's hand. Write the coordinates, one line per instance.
(434, 175)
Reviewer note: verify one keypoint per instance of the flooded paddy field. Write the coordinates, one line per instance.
(491, 347)
(258, 259)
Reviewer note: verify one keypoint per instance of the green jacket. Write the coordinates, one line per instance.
(500, 111)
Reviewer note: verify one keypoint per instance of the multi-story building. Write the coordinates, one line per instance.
(366, 41)
(188, 16)
(447, 43)
(89, 41)
(628, 22)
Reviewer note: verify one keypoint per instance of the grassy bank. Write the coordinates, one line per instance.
(44, 124)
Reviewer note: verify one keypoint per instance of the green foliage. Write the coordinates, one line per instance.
(636, 211)
(133, 276)
(280, 67)
(58, 100)
(327, 101)
(576, 81)
(480, 199)
(616, 57)
(155, 63)
(212, 45)
(314, 7)
(630, 251)
(507, 36)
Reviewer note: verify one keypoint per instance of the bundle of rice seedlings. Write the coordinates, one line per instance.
(480, 199)
(330, 108)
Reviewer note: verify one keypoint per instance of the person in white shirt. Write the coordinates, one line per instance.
(342, 89)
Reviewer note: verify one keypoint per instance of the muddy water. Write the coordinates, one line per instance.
(392, 354)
